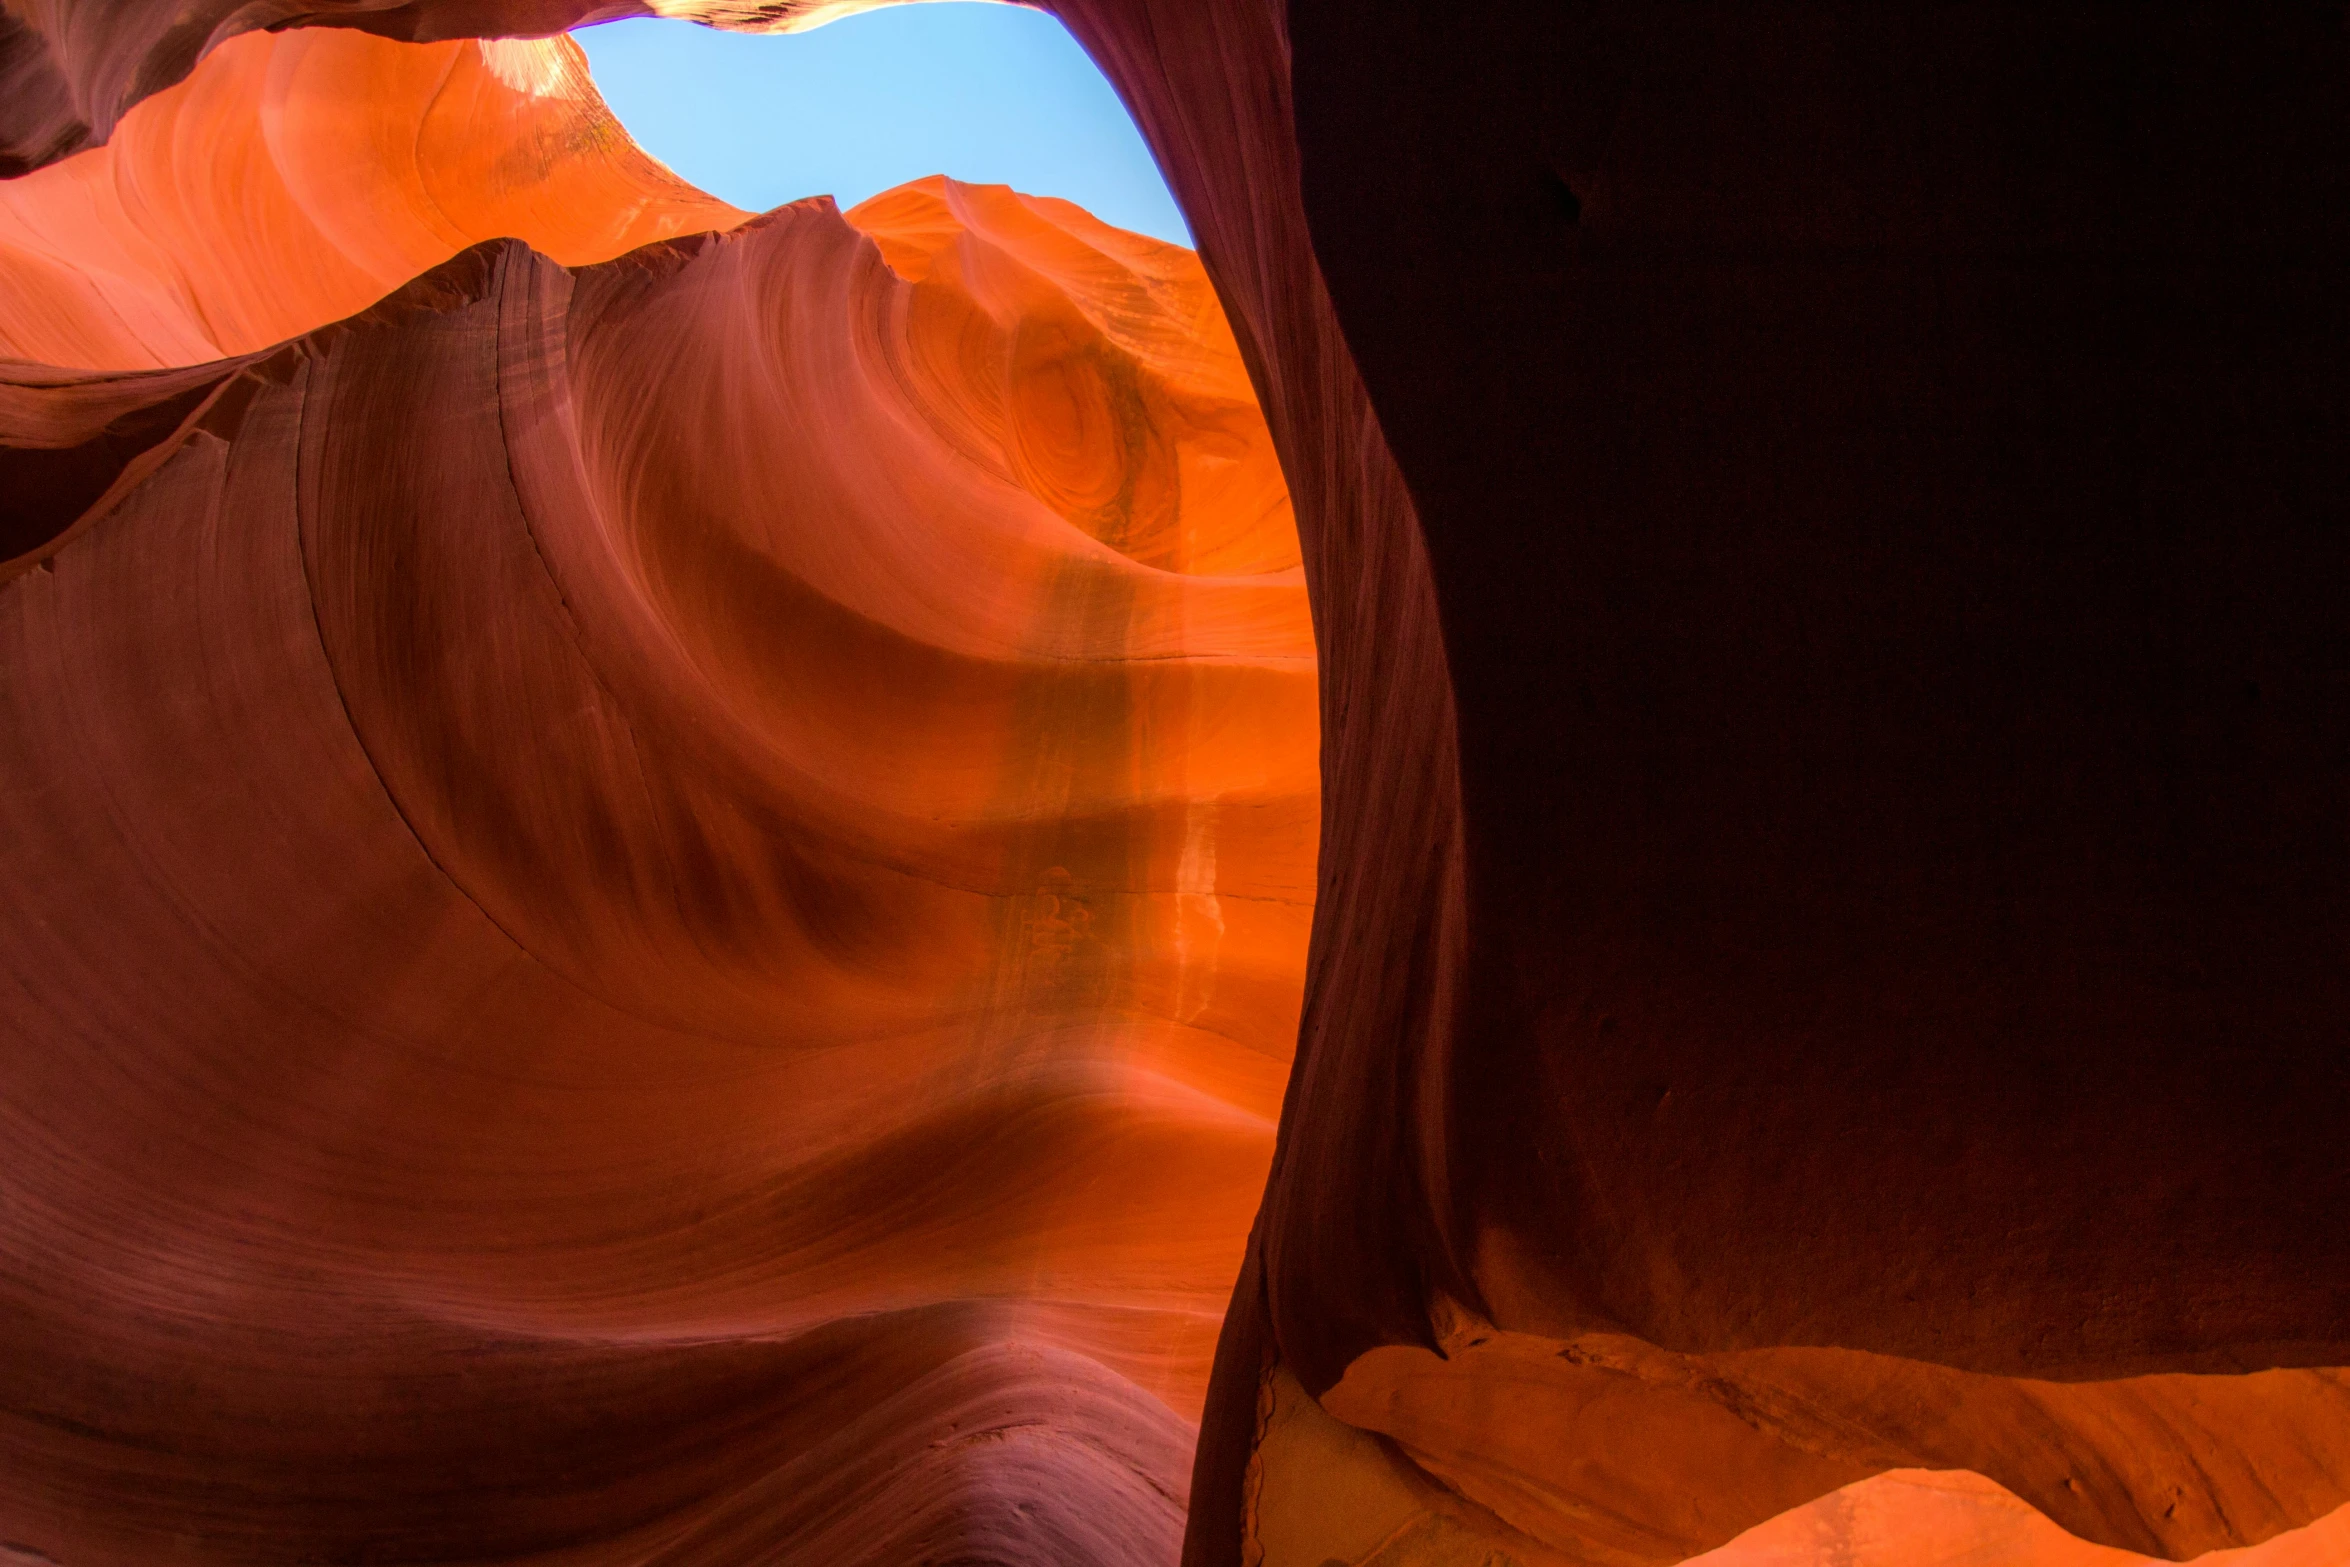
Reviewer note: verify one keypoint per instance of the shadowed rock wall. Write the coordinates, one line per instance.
(1864, 997)
(1878, 472)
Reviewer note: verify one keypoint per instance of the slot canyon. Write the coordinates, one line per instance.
(1623, 838)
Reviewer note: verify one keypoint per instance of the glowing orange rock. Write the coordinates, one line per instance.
(1952, 1518)
(1485, 1070)
(670, 904)
(1608, 1448)
(299, 177)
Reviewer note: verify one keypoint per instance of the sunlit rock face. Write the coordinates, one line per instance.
(660, 904)
(71, 70)
(299, 177)
(1822, 1036)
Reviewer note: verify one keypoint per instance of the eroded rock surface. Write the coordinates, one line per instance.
(1833, 872)
(299, 177)
(662, 908)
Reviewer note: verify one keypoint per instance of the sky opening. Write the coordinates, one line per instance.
(990, 94)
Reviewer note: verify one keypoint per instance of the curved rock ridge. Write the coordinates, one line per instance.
(1608, 1449)
(1952, 1518)
(1833, 864)
(70, 71)
(1541, 1492)
(663, 907)
(296, 178)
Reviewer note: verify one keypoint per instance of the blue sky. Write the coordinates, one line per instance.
(987, 93)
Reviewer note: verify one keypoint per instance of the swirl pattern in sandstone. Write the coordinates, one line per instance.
(298, 178)
(661, 909)
(1825, 1003)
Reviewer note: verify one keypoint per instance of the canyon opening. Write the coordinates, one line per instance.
(1559, 785)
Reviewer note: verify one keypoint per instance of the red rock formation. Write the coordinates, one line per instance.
(663, 907)
(298, 178)
(1876, 470)
(1860, 1007)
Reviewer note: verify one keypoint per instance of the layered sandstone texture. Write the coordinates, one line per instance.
(299, 177)
(1823, 1034)
(659, 904)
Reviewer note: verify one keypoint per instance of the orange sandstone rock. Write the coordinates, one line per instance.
(1609, 1449)
(1833, 839)
(664, 905)
(299, 177)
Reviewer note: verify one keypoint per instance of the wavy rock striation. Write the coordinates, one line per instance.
(1824, 1000)
(664, 908)
(298, 178)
